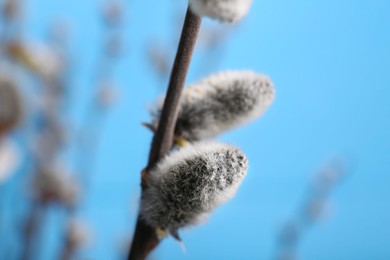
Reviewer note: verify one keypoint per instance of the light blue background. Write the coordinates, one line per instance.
(330, 63)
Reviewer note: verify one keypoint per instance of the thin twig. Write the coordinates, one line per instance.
(32, 229)
(163, 139)
(145, 238)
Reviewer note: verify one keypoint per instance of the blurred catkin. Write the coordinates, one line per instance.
(52, 183)
(10, 104)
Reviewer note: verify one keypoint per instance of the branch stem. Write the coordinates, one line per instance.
(163, 139)
(145, 238)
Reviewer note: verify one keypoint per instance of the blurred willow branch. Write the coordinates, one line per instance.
(48, 125)
(145, 238)
(311, 210)
(112, 16)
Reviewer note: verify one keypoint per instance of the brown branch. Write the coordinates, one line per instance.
(145, 238)
(163, 139)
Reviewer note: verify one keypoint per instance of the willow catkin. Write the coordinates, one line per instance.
(52, 183)
(189, 183)
(221, 102)
(10, 104)
(222, 10)
(77, 233)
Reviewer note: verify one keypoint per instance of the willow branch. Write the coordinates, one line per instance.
(163, 139)
(145, 238)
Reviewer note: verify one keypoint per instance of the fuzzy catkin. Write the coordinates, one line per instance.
(222, 102)
(189, 183)
(10, 104)
(77, 233)
(222, 10)
(52, 183)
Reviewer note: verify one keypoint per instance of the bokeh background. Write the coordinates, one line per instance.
(330, 64)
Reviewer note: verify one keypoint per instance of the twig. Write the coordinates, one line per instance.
(145, 238)
(163, 139)
(68, 248)
(312, 209)
(32, 229)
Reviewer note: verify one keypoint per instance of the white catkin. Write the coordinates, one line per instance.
(221, 102)
(189, 183)
(222, 10)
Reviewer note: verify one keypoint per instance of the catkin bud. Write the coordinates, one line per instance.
(51, 183)
(10, 104)
(10, 157)
(222, 102)
(189, 183)
(223, 10)
(40, 58)
(78, 233)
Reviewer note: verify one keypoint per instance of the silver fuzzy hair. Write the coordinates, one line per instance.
(222, 10)
(189, 183)
(222, 102)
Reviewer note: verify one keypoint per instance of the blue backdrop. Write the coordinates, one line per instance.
(330, 64)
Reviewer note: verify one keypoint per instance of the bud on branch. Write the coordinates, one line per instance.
(189, 183)
(222, 10)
